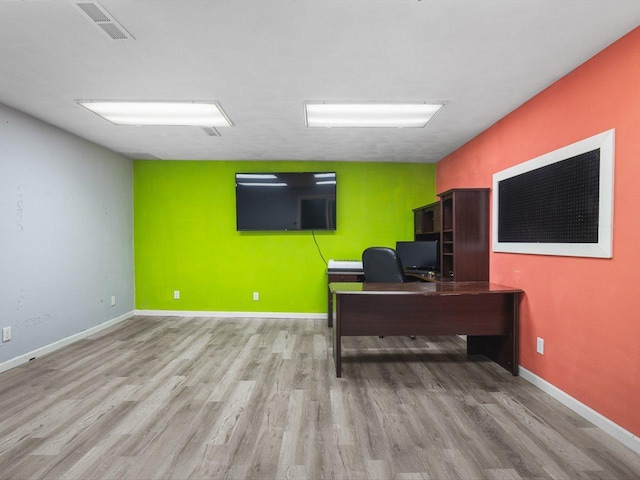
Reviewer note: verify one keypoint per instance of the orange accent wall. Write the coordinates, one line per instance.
(587, 310)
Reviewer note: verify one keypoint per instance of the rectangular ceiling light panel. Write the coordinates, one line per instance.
(398, 115)
(199, 114)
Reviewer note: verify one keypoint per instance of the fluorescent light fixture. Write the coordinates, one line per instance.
(160, 113)
(258, 180)
(398, 115)
(255, 176)
(325, 178)
(262, 184)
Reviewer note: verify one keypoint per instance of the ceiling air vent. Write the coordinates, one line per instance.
(139, 155)
(212, 132)
(102, 20)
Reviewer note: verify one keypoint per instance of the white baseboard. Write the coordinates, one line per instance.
(19, 360)
(212, 314)
(613, 429)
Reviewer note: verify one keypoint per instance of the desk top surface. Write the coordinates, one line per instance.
(420, 288)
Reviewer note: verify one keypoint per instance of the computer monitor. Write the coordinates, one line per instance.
(419, 255)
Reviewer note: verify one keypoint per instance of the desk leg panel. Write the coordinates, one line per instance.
(330, 310)
(502, 349)
(499, 348)
(337, 340)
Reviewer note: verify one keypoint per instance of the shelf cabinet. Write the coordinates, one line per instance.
(464, 234)
(426, 222)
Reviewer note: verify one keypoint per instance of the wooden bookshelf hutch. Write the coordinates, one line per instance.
(460, 222)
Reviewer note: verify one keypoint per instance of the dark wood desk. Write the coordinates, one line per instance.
(487, 313)
(339, 276)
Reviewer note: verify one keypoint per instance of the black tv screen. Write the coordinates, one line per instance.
(286, 201)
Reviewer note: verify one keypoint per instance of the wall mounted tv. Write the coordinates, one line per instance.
(286, 201)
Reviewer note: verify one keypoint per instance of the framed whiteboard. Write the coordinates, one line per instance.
(560, 203)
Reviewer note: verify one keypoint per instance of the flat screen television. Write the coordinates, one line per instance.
(286, 201)
(419, 255)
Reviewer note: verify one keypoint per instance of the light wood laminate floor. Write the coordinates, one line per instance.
(195, 398)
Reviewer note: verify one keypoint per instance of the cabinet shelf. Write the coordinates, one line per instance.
(460, 222)
(426, 221)
(464, 252)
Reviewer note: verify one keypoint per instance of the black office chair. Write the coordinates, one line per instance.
(383, 265)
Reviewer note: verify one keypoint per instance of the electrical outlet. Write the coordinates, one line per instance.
(256, 296)
(176, 294)
(113, 300)
(6, 334)
(540, 345)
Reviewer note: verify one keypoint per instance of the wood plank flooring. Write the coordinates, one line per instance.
(196, 398)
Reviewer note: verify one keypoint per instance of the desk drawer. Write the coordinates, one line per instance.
(344, 277)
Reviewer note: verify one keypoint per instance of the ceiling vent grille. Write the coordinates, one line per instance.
(212, 132)
(101, 19)
(139, 156)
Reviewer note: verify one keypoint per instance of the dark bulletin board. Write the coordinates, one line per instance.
(557, 203)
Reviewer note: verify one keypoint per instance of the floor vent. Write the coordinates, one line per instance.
(101, 19)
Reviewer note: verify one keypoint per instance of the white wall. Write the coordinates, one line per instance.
(66, 234)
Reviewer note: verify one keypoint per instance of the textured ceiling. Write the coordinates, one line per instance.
(262, 59)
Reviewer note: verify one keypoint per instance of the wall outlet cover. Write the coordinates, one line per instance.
(6, 334)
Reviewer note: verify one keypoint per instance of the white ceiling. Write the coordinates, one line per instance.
(262, 59)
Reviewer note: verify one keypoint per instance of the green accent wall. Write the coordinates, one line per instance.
(185, 234)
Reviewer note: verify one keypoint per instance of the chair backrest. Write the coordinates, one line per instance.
(382, 265)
